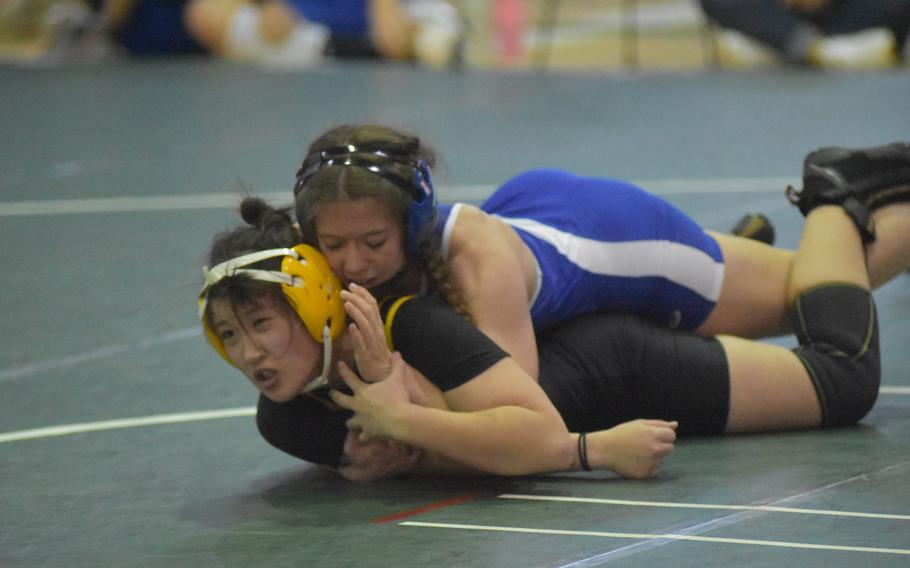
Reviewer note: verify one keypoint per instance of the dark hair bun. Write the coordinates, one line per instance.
(255, 211)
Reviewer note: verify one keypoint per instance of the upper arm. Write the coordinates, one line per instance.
(493, 282)
(472, 372)
(503, 384)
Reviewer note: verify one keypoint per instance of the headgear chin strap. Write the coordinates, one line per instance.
(309, 285)
(409, 175)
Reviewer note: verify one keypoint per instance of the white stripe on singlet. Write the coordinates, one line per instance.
(677, 262)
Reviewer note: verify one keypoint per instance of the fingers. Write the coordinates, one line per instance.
(664, 450)
(396, 363)
(363, 309)
(349, 377)
(377, 459)
(343, 400)
(656, 460)
(673, 424)
(355, 426)
(361, 292)
(352, 473)
(664, 443)
(350, 443)
(367, 333)
(357, 338)
(665, 431)
(666, 440)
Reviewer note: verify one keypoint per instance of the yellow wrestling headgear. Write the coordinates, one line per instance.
(308, 283)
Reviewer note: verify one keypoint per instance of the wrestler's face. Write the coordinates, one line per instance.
(361, 240)
(269, 344)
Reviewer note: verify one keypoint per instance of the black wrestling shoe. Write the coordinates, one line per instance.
(754, 226)
(858, 179)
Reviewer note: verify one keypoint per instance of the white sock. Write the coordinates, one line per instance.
(439, 31)
(303, 47)
(736, 50)
(869, 49)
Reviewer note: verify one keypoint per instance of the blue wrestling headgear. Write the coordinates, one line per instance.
(411, 176)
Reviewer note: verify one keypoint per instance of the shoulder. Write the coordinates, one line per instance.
(538, 177)
(445, 347)
(415, 315)
(477, 236)
(470, 216)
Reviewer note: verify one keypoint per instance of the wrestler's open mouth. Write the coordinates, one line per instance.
(265, 377)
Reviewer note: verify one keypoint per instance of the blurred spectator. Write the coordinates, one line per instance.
(301, 32)
(89, 31)
(826, 33)
(147, 27)
(295, 33)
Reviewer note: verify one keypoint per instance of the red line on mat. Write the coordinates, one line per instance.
(428, 507)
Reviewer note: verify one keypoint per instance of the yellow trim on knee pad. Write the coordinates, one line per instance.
(803, 330)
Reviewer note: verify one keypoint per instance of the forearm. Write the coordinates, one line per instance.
(424, 393)
(506, 440)
(431, 463)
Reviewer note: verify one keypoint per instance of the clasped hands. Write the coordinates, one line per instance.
(634, 449)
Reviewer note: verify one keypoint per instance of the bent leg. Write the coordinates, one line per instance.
(829, 251)
(838, 334)
(831, 379)
(753, 298)
(770, 388)
(834, 316)
(889, 255)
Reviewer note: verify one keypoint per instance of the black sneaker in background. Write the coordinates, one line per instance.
(754, 226)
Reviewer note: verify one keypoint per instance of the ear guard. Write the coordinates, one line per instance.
(309, 285)
(412, 177)
(423, 211)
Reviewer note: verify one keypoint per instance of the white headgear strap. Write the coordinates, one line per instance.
(234, 266)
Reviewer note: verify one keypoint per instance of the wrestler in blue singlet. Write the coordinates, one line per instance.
(606, 245)
(346, 19)
(154, 28)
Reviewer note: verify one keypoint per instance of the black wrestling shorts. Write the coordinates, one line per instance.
(603, 369)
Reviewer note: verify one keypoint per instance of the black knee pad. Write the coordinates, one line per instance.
(838, 335)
